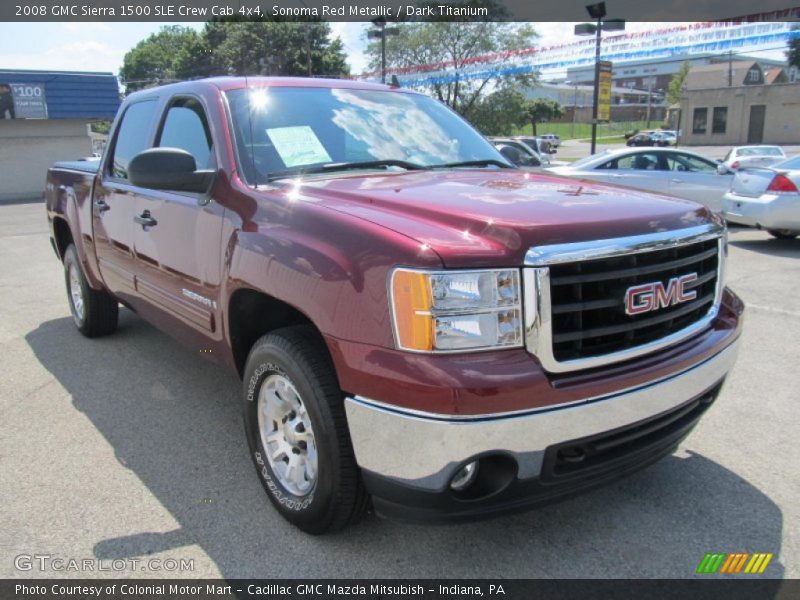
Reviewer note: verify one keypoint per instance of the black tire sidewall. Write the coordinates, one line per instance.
(780, 234)
(313, 510)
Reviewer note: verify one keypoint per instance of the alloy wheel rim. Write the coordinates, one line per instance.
(76, 292)
(287, 435)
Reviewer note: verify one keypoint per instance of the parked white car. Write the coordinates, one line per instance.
(555, 141)
(669, 171)
(766, 197)
(751, 156)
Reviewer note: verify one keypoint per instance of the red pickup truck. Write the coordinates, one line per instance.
(417, 324)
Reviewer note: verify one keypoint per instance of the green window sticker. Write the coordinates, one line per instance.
(298, 146)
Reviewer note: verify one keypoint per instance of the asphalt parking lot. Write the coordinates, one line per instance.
(131, 447)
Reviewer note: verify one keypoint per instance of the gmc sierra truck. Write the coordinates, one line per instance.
(417, 324)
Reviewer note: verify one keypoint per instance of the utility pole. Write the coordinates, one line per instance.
(308, 49)
(730, 68)
(649, 98)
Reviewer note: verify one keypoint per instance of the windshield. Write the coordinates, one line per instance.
(286, 130)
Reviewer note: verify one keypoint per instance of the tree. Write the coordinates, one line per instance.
(276, 48)
(675, 88)
(542, 109)
(499, 113)
(234, 47)
(458, 43)
(793, 52)
(172, 53)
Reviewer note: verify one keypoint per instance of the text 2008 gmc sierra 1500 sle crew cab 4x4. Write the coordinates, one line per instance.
(416, 323)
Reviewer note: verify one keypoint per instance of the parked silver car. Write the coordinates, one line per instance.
(766, 197)
(669, 171)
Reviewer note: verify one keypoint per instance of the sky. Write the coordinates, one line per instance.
(102, 46)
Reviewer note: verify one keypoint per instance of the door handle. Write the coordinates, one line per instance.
(101, 205)
(145, 220)
(677, 180)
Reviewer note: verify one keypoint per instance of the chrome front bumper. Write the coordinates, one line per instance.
(424, 450)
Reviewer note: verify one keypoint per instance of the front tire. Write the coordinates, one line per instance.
(783, 234)
(297, 432)
(95, 312)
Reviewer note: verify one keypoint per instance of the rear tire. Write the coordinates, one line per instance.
(95, 312)
(297, 432)
(783, 234)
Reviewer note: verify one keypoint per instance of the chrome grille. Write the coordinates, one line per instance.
(588, 299)
(575, 297)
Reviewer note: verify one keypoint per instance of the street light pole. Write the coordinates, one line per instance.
(597, 11)
(596, 98)
(381, 31)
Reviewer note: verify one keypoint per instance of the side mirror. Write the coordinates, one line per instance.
(722, 169)
(171, 169)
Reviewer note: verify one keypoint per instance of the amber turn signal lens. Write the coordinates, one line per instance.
(412, 310)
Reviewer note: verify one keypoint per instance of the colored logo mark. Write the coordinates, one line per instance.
(734, 563)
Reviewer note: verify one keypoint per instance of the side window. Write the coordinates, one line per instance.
(719, 120)
(186, 127)
(645, 161)
(132, 136)
(686, 162)
(700, 120)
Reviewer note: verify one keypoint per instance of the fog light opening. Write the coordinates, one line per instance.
(464, 477)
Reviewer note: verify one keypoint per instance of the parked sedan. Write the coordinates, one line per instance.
(641, 139)
(519, 153)
(541, 146)
(664, 138)
(676, 172)
(766, 197)
(751, 156)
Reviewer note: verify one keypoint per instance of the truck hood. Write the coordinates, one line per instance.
(488, 217)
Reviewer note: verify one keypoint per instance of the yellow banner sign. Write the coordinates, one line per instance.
(604, 92)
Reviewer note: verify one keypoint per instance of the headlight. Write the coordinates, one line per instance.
(448, 311)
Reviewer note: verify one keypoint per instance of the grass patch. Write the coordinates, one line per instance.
(580, 131)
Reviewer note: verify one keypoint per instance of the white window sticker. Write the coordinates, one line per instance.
(298, 146)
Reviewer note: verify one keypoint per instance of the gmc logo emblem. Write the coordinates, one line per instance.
(654, 296)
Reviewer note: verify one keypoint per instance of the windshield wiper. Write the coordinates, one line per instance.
(488, 162)
(347, 166)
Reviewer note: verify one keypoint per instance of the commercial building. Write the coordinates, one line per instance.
(656, 73)
(739, 103)
(44, 117)
(627, 104)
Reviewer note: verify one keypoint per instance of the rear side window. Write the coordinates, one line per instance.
(186, 127)
(133, 136)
